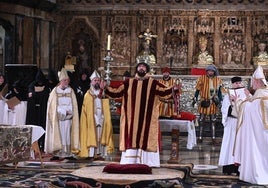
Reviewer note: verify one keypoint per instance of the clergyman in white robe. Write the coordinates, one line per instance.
(251, 145)
(229, 121)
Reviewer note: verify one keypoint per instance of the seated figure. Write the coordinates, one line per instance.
(203, 58)
(262, 57)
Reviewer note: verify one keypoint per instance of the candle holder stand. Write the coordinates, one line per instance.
(108, 59)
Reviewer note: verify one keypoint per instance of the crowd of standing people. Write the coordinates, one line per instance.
(77, 117)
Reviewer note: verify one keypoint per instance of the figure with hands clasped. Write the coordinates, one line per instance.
(62, 124)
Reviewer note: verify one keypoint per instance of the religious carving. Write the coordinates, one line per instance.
(162, 2)
(229, 43)
(233, 25)
(203, 58)
(233, 48)
(70, 61)
(262, 57)
(233, 51)
(147, 36)
(146, 53)
(82, 55)
(77, 29)
(259, 26)
(260, 38)
(204, 25)
(82, 49)
(121, 44)
(175, 43)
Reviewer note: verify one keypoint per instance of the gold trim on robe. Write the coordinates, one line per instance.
(88, 136)
(52, 136)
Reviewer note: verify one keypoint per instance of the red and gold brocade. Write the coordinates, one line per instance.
(204, 88)
(139, 126)
(166, 107)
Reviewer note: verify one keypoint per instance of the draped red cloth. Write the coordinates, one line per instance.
(185, 116)
(116, 83)
(198, 71)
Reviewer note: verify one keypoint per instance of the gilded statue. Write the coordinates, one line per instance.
(147, 35)
(146, 54)
(262, 57)
(68, 59)
(204, 58)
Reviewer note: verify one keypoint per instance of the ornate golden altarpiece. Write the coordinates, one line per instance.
(233, 29)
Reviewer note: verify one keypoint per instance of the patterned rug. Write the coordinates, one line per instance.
(81, 175)
(22, 177)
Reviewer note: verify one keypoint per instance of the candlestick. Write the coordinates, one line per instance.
(109, 42)
(108, 59)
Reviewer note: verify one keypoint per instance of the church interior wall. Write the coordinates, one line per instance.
(45, 37)
(28, 36)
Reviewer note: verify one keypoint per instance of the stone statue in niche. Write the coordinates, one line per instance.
(262, 57)
(203, 57)
(82, 55)
(82, 49)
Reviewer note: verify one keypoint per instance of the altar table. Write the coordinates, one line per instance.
(166, 125)
(17, 141)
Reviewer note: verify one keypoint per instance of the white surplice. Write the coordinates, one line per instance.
(17, 116)
(229, 132)
(99, 119)
(251, 146)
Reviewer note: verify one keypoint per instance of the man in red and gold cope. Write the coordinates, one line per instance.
(139, 123)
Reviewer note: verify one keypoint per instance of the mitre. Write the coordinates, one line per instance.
(63, 74)
(95, 74)
(259, 75)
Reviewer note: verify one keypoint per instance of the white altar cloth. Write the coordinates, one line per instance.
(37, 132)
(166, 125)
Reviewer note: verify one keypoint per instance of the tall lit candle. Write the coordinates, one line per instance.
(109, 42)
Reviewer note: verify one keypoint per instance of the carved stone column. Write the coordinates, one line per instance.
(217, 42)
(248, 40)
(134, 45)
(190, 41)
(159, 39)
(103, 39)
